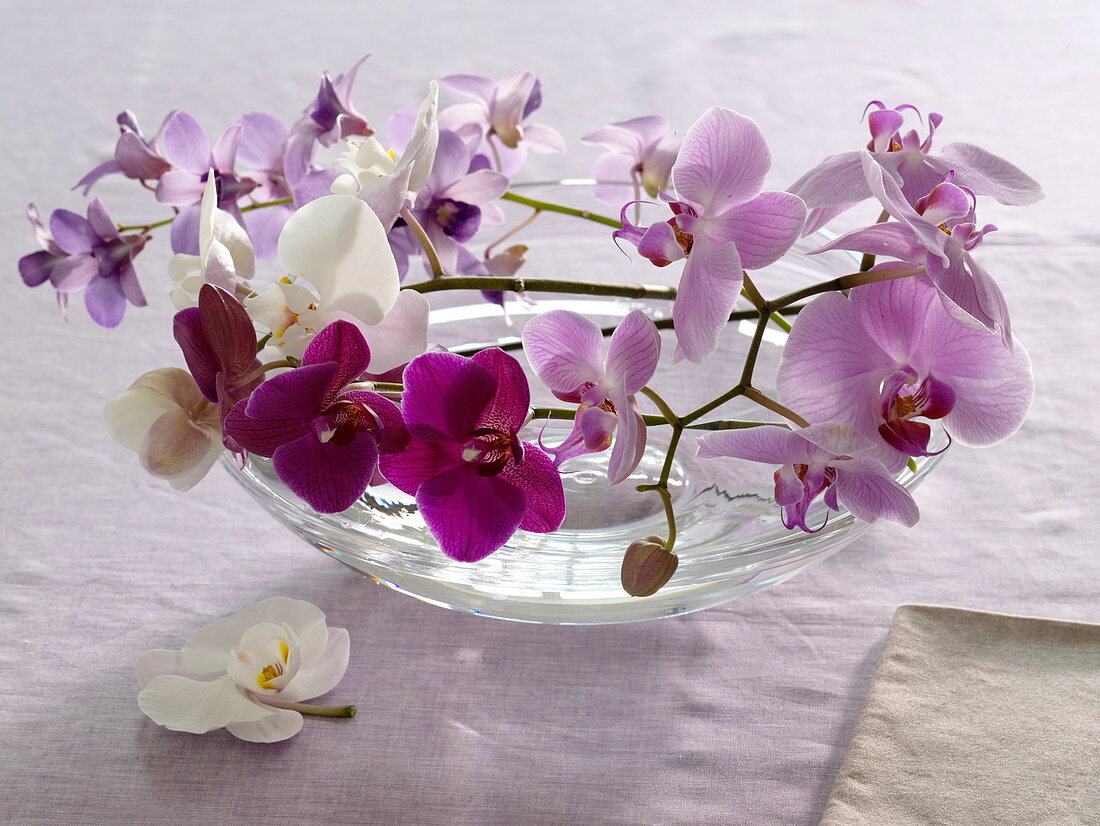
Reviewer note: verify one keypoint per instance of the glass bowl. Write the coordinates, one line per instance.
(730, 542)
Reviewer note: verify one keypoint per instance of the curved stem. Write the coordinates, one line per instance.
(548, 285)
(547, 206)
(766, 401)
(662, 405)
(262, 369)
(844, 282)
(307, 708)
(167, 221)
(425, 242)
(518, 228)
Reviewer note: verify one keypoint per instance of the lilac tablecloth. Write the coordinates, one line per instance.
(739, 714)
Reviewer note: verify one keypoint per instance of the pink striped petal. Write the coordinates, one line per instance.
(722, 161)
(633, 352)
(867, 489)
(763, 229)
(563, 349)
(708, 290)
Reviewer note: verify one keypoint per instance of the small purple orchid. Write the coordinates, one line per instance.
(135, 156)
(890, 354)
(829, 458)
(564, 350)
(838, 182)
(722, 223)
(502, 107)
(263, 140)
(330, 117)
(188, 149)
(475, 482)
(323, 437)
(449, 205)
(937, 234)
(86, 254)
(219, 345)
(641, 150)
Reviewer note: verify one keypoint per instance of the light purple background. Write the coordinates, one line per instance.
(739, 714)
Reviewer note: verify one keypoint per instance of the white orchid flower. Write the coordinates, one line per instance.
(247, 673)
(164, 418)
(338, 245)
(382, 180)
(225, 257)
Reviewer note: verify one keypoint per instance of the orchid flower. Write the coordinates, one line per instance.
(330, 117)
(889, 354)
(449, 206)
(324, 438)
(502, 106)
(830, 458)
(722, 224)
(938, 234)
(564, 350)
(474, 480)
(504, 264)
(337, 245)
(135, 156)
(86, 254)
(225, 256)
(186, 146)
(219, 345)
(641, 150)
(838, 182)
(372, 174)
(247, 673)
(164, 418)
(263, 141)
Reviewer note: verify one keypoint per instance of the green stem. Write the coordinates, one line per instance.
(771, 404)
(547, 206)
(425, 242)
(167, 221)
(650, 419)
(844, 282)
(308, 708)
(662, 405)
(546, 285)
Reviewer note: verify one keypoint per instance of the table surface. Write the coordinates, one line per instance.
(739, 714)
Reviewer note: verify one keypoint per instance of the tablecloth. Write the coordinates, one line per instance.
(739, 714)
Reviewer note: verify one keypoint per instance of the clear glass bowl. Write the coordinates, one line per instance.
(731, 541)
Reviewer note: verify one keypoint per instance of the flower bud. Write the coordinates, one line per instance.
(647, 566)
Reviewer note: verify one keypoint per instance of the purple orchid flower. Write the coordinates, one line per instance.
(323, 437)
(219, 345)
(449, 205)
(330, 117)
(187, 148)
(890, 354)
(475, 482)
(838, 182)
(722, 224)
(502, 107)
(263, 141)
(135, 157)
(937, 234)
(86, 254)
(642, 150)
(564, 350)
(829, 458)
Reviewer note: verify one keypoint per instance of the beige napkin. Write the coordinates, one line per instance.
(976, 718)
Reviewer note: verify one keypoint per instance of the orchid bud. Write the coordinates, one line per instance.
(647, 566)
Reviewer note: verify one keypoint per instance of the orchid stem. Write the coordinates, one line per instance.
(309, 708)
(753, 295)
(547, 206)
(548, 285)
(844, 282)
(771, 404)
(650, 419)
(518, 228)
(662, 405)
(425, 242)
(262, 369)
(167, 221)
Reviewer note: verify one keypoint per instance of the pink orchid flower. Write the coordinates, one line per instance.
(722, 224)
(564, 350)
(640, 150)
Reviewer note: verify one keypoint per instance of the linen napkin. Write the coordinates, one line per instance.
(976, 718)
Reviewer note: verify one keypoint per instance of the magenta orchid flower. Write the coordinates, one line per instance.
(219, 345)
(187, 147)
(937, 234)
(564, 350)
(838, 182)
(135, 156)
(641, 150)
(722, 224)
(474, 480)
(502, 107)
(263, 141)
(890, 354)
(330, 117)
(86, 254)
(324, 438)
(830, 458)
(450, 204)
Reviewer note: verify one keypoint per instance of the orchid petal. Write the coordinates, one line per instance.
(481, 88)
(323, 674)
(281, 724)
(866, 488)
(836, 181)
(195, 706)
(762, 229)
(722, 161)
(393, 436)
(185, 231)
(837, 439)
(105, 301)
(709, 287)
(179, 188)
(539, 480)
(893, 313)
(262, 141)
(401, 335)
(508, 409)
(767, 443)
(224, 154)
(477, 188)
(614, 166)
(418, 462)
(633, 352)
(262, 436)
(420, 151)
(445, 395)
(186, 145)
(987, 174)
(543, 139)
(342, 343)
(72, 232)
(470, 515)
(71, 274)
(563, 348)
(327, 475)
(892, 239)
(630, 442)
(890, 195)
(297, 394)
(660, 245)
